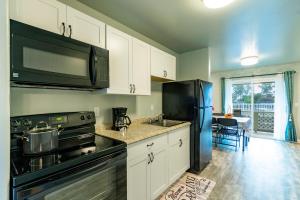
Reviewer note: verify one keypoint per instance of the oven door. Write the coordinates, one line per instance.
(102, 179)
(43, 58)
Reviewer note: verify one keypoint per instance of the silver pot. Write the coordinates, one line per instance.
(40, 139)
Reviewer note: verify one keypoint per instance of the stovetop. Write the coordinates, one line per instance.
(28, 168)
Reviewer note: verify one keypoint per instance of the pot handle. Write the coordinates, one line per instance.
(22, 138)
(59, 130)
(39, 125)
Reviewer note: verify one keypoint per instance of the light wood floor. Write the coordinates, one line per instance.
(268, 169)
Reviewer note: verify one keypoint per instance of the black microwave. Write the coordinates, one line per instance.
(42, 58)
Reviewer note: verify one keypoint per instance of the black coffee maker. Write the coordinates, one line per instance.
(120, 118)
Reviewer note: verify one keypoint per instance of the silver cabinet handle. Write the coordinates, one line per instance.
(70, 28)
(180, 142)
(130, 88)
(149, 159)
(64, 28)
(165, 73)
(150, 145)
(133, 88)
(152, 157)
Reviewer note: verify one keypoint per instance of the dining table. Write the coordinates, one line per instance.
(244, 124)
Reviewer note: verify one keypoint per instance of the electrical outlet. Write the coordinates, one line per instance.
(152, 107)
(97, 111)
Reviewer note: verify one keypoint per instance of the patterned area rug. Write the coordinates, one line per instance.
(189, 187)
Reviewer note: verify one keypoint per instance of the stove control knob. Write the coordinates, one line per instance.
(89, 117)
(15, 123)
(82, 117)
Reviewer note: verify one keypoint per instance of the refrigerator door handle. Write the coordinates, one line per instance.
(203, 99)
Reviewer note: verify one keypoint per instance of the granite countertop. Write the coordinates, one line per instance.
(138, 131)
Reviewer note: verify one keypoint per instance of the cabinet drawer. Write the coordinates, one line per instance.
(176, 135)
(145, 146)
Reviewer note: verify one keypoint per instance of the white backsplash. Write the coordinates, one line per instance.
(37, 101)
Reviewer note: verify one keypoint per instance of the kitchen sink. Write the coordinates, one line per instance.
(165, 123)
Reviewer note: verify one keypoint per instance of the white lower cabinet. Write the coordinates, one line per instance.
(155, 163)
(137, 178)
(158, 173)
(179, 153)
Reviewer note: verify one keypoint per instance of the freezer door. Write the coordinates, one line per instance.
(205, 94)
(179, 100)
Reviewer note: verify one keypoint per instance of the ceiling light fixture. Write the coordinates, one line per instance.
(250, 60)
(216, 3)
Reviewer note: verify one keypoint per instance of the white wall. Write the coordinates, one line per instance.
(194, 65)
(216, 79)
(37, 101)
(4, 101)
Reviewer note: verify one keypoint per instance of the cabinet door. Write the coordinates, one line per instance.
(163, 65)
(170, 67)
(138, 178)
(178, 159)
(157, 62)
(141, 77)
(119, 45)
(158, 174)
(45, 14)
(85, 28)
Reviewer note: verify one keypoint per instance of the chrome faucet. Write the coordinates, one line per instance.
(158, 118)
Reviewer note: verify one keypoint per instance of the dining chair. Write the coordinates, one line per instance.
(237, 112)
(229, 130)
(218, 114)
(215, 128)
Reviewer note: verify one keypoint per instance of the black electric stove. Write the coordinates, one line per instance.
(80, 151)
(27, 168)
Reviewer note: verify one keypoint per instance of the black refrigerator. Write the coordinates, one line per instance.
(192, 101)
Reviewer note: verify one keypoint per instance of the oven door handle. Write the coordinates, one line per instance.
(54, 183)
(93, 69)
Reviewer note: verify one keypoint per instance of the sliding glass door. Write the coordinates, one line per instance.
(264, 102)
(255, 98)
(242, 98)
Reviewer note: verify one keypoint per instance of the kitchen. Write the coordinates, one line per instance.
(64, 94)
(133, 77)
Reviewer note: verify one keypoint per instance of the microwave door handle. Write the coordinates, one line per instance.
(93, 70)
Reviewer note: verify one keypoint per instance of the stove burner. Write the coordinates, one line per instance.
(37, 163)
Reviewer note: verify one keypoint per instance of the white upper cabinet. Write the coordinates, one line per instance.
(170, 67)
(49, 15)
(56, 17)
(163, 65)
(85, 28)
(119, 45)
(129, 64)
(140, 71)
